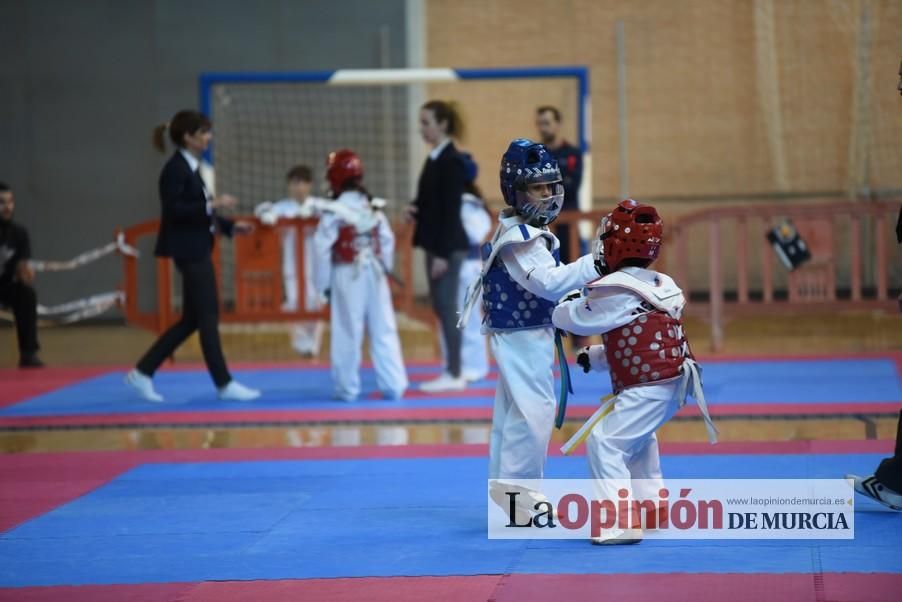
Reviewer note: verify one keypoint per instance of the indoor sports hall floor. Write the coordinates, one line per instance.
(354, 520)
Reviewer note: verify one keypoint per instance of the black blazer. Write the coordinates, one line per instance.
(439, 229)
(185, 233)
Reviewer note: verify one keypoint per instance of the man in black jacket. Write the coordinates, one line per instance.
(16, 279)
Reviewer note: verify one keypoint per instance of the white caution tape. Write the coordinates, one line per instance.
(110, 298)
(79, 309)
(87, 257)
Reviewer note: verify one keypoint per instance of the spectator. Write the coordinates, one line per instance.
(305, 336)
(440, 231)
(16, 280)
(570, 160)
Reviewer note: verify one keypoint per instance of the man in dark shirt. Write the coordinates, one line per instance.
(16, 278)
(570, 160)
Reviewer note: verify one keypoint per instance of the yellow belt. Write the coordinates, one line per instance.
(607, 406)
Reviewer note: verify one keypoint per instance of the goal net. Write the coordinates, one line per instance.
(265, 123)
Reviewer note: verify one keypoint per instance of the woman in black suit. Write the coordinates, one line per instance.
(188, 226)
(440, 231)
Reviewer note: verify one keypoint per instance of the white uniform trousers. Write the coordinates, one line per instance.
(624, 447)
(474, 355)
(305, 336)
(360, 299)
(525, 402)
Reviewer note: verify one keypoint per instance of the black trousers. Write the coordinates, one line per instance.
(23, 302)
(890, 470)
(444, 292)
(200, 312)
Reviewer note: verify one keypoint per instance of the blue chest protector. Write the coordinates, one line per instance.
(507, 305)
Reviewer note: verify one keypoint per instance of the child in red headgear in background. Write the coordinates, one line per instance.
(638, 313)
(354, 252)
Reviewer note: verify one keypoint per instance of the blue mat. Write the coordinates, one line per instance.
(838, 381)
(350, 518)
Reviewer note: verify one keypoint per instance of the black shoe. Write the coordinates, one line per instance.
(30, 360)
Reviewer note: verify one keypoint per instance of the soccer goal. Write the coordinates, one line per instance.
(267, 122)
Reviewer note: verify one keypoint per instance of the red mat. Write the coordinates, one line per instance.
(18, 385)
(418, 414)
(730, 587)
(733, 587)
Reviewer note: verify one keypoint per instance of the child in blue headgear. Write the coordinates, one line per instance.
(522, 279)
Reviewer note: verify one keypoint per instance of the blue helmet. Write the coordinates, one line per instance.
(471, 169)
(526, 163)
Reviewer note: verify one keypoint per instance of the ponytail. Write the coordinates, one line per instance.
(159, 137)
(448, 112)
(355, 184)
(473, 189)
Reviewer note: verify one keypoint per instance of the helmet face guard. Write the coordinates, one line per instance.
(539, 208)
(603, 231)
(525, 164)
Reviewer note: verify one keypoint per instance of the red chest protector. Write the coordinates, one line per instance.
(350, 242)
(650, 349)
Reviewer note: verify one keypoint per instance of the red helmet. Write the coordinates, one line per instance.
(341, 166)
(630, 231)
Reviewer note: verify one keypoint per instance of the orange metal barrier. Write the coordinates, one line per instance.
(256, 275)
(815, 282)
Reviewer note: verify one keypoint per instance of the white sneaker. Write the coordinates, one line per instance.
(445, 382)
(472, 375)
(143, 385)
(618, 537)
(524, 506)
(235, 391)
(877, 491)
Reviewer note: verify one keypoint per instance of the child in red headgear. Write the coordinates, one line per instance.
(638, 313)
(354, 249)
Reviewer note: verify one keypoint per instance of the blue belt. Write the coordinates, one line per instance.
(566, 384)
